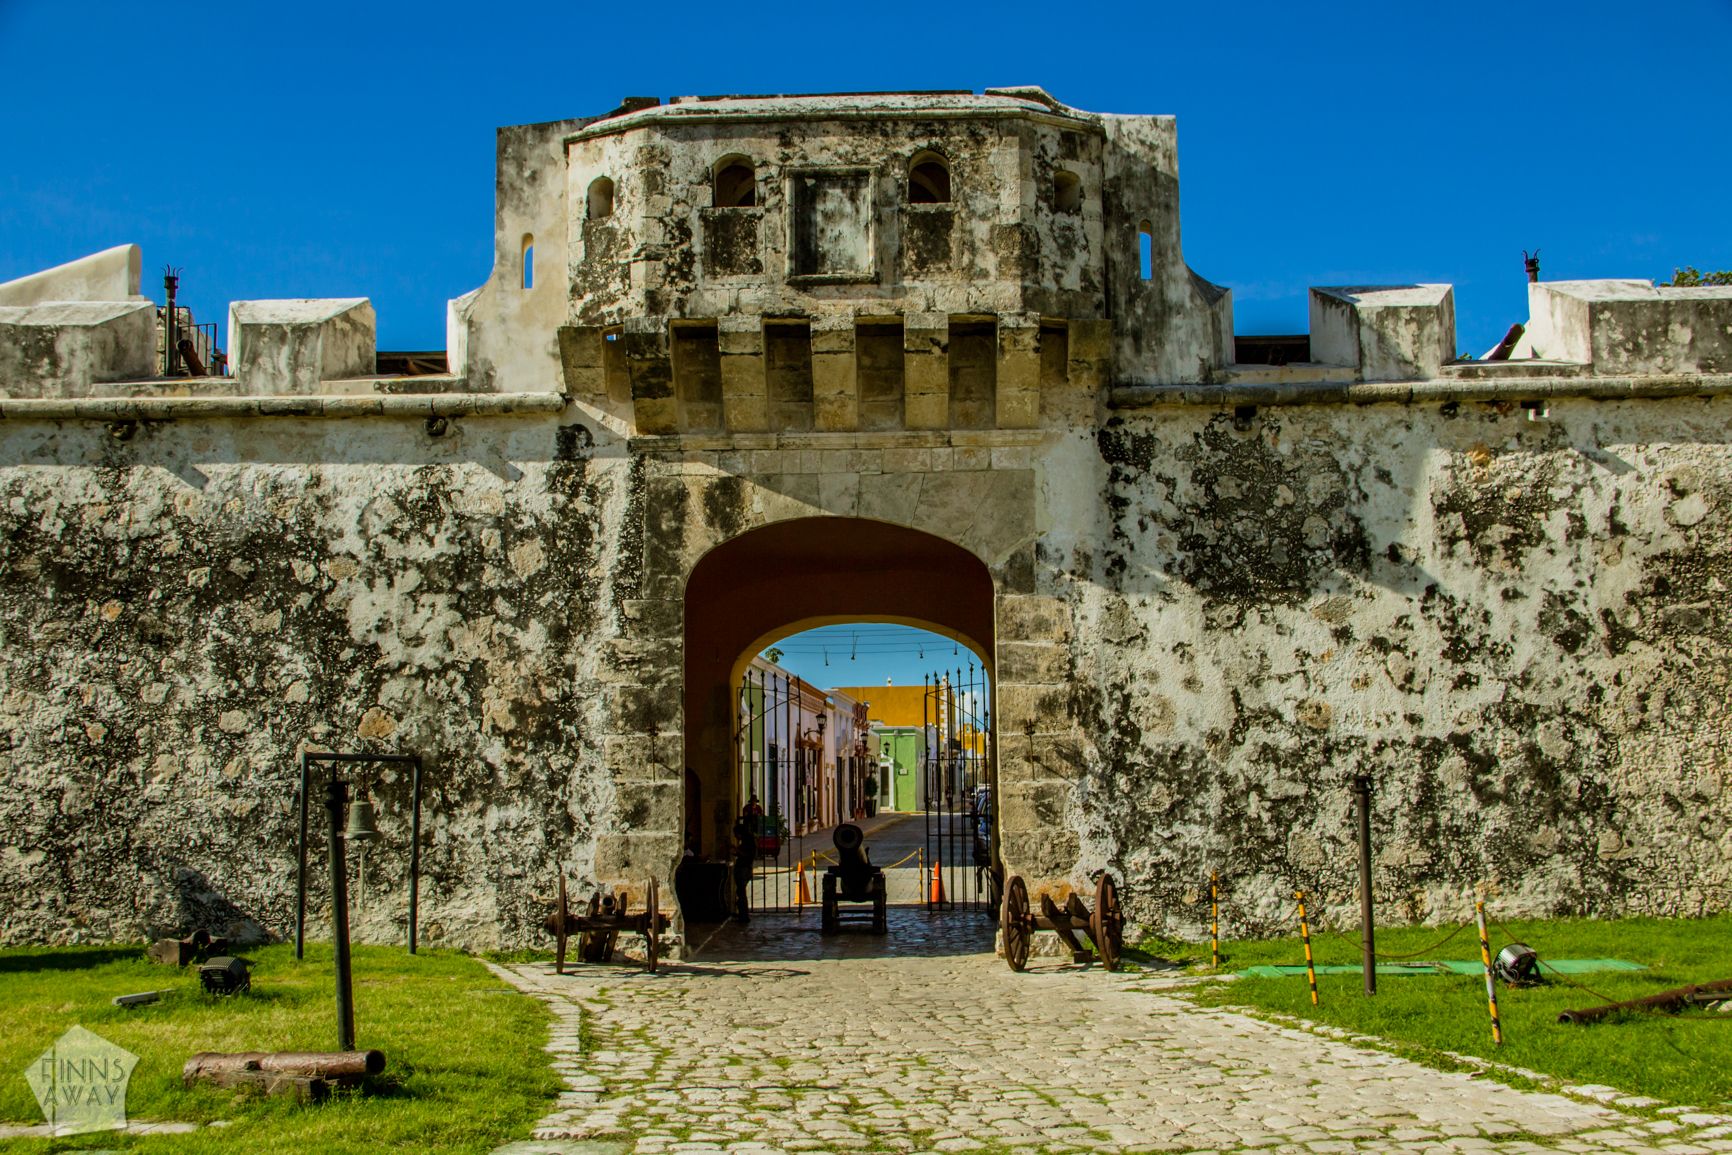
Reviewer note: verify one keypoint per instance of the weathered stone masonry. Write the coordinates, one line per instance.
(1220, 590)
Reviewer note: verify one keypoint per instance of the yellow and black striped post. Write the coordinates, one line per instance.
(1305, 937)
(1215, 919)
(1490, 978)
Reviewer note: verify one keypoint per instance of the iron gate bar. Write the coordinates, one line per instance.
(308, 757)
(762, 775)
(956, 764)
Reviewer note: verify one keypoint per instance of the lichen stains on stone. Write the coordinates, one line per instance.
(188, 642)
(724, 507)
(1498, 506)
(1237, 519)
(1492, 622)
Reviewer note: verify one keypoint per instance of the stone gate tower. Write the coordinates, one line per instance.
(901, 261)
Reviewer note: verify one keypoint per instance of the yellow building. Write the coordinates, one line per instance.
(920, 705)
(892, 705)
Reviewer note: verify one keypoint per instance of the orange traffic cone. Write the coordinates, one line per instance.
(936, 895)
(802, 892)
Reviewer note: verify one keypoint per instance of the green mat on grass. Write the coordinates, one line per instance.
(1565, 966)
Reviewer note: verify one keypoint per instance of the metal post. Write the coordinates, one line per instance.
(171, 325)
(1215, 919)
(301, 868)
(923, 784)
(414, 853)
(336, 799)
(1305, 937)
(1490, 979)
(953, 756)
(1367, 932)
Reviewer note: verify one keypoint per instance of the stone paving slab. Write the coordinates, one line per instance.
(881, 1052)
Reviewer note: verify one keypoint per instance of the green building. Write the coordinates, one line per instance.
(900, 750)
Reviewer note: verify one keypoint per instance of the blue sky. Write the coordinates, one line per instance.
(866, 653)
(319, 149)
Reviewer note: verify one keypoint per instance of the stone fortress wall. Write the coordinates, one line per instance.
(1221, 590)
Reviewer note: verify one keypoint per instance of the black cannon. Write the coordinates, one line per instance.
(853, 879)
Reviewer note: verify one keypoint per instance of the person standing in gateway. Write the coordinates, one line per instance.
(745, 854)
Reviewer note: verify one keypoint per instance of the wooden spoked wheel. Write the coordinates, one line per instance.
(1018, 926)
(652, 934)
(559, 933)
(1108, 922)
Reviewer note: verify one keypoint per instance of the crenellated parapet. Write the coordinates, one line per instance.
(70, 330)
(1384, 333)
(909, 262)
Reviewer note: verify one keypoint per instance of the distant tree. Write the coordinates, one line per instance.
(1690, 275)
(773, 655)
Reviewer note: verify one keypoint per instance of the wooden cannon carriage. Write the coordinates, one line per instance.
(853, 879)
(599, 927)
(1104, 925)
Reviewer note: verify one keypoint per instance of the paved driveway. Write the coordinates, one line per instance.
(841, 1045)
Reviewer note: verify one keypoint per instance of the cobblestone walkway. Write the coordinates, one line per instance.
(953, 1052)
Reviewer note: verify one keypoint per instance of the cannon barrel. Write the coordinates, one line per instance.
(1675, 999)
(853, 879)
(307, 1064)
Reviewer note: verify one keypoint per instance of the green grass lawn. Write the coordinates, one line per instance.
(1684, 1058)
(465, 1069)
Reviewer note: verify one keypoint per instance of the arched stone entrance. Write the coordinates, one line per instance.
(772, 581)
(722, 561)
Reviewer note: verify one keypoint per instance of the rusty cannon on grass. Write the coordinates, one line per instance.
(1674, 1000)
(1104, 925)
(853, 879)
(309, 1076)
(598, 928)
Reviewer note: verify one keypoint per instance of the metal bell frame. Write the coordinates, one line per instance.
(356, 823)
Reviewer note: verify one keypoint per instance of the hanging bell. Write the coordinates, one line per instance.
(363, 822)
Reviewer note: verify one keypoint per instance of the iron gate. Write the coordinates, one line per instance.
(779, 738)
(956, 793)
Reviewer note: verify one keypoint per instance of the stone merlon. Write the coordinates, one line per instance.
(1631, 326)
(1386, 332)
(293, 346)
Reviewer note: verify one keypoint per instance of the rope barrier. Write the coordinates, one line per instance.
(1213, 897)
(832, 861)
(1423, 950)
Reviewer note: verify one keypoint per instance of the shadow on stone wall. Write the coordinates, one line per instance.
(198, 905)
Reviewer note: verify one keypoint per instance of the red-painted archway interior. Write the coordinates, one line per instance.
(767, 582)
